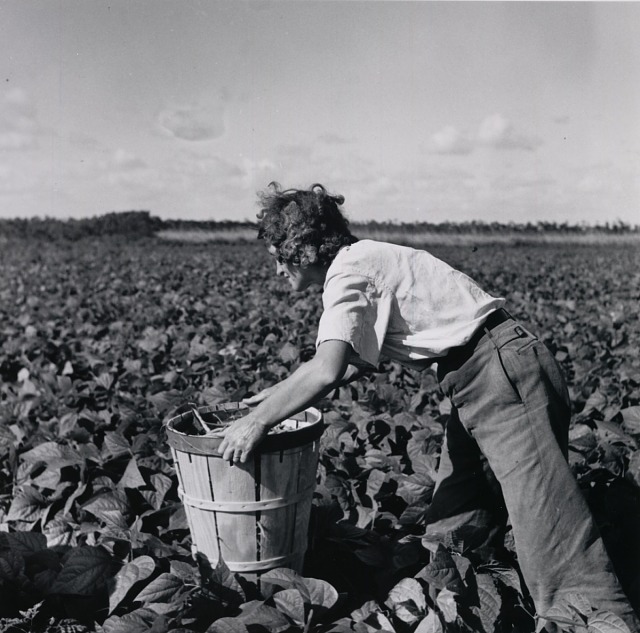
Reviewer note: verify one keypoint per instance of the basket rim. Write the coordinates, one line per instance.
(208, 444)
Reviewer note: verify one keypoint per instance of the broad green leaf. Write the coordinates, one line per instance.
(375, 480)
(407, 600)
(169, 608)
(285, 578)
(54, 454)
(373, 556)
(343, 625)
(163, 401)
(489, 599)
(377, 459)
(43, 580)
(220, 580)
(110, 507)
(67, 424)
(290, 602)
(153, 340)
(446, 601)
(23, 543)
(162, 484)
(634, 468)
(138, 569)
(415, 489)
(227, 625)
(369, 607)
(322, 595)
(267, 617)
(430, 624)
(12, 568)
(611, 431)
(76, 494)
(132, 477)
(582, 438)
(48, 479)
(631, 419)
(84, 572)
(104, 380)
(413, 514)
(163, 589)
(115, 444)
(578, 602)
(441, 572)
(289, 353)
(607, 622)
(183, 570)
(7, 441)
(138, 621)
(507, 576)
(561, 613)
(213, 395)
(28, 505)
(178, 519)
(89, 452)
(596, 401)
(376, 622)
(366, 516)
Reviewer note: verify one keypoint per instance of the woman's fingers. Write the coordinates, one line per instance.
(259, 397)
(231, 452)
(240, 439)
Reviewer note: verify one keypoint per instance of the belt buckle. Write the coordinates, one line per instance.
(519, 331)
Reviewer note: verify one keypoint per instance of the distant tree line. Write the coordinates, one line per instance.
(126, 223)
(138, 224)
(489, 228)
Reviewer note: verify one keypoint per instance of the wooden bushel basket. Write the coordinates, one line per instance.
(253, 515)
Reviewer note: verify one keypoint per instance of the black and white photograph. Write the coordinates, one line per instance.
(319, 316)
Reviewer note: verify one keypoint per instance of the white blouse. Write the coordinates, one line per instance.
(401, 303)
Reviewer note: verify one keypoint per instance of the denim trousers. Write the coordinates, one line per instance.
(505, 458)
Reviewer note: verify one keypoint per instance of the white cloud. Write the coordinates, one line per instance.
(215, 167)
(498, 132)
(124, 160)
(333, 139)
(19, 127)
(15, 140)
(18, 179)
(259, 173)
(19, 102)
(525, 182)
(494, 131)
(204, 173)
(450, 140)
(298, 151)
(198, 122)
(384, 187)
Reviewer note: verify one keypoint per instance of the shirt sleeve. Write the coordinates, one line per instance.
(356, 312)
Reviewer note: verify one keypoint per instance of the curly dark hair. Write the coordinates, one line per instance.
(305, 226)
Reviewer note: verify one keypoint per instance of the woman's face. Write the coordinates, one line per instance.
(299, 278)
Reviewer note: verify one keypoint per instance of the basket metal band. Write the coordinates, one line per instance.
(261, 565)
(235, 507)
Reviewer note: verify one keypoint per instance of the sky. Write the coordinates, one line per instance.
(414, 111)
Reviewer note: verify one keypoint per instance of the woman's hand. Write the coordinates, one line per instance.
(241, 437)
(260, 396)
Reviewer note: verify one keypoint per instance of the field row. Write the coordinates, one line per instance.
(101, 341)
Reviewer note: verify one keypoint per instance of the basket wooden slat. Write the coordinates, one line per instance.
(253, 515)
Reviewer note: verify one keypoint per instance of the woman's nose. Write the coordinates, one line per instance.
(279, 269)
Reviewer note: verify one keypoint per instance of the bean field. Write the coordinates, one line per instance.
(102, 338)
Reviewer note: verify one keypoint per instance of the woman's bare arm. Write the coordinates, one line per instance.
(305, 386)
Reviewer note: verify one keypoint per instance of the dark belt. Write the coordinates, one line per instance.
(457, 356)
